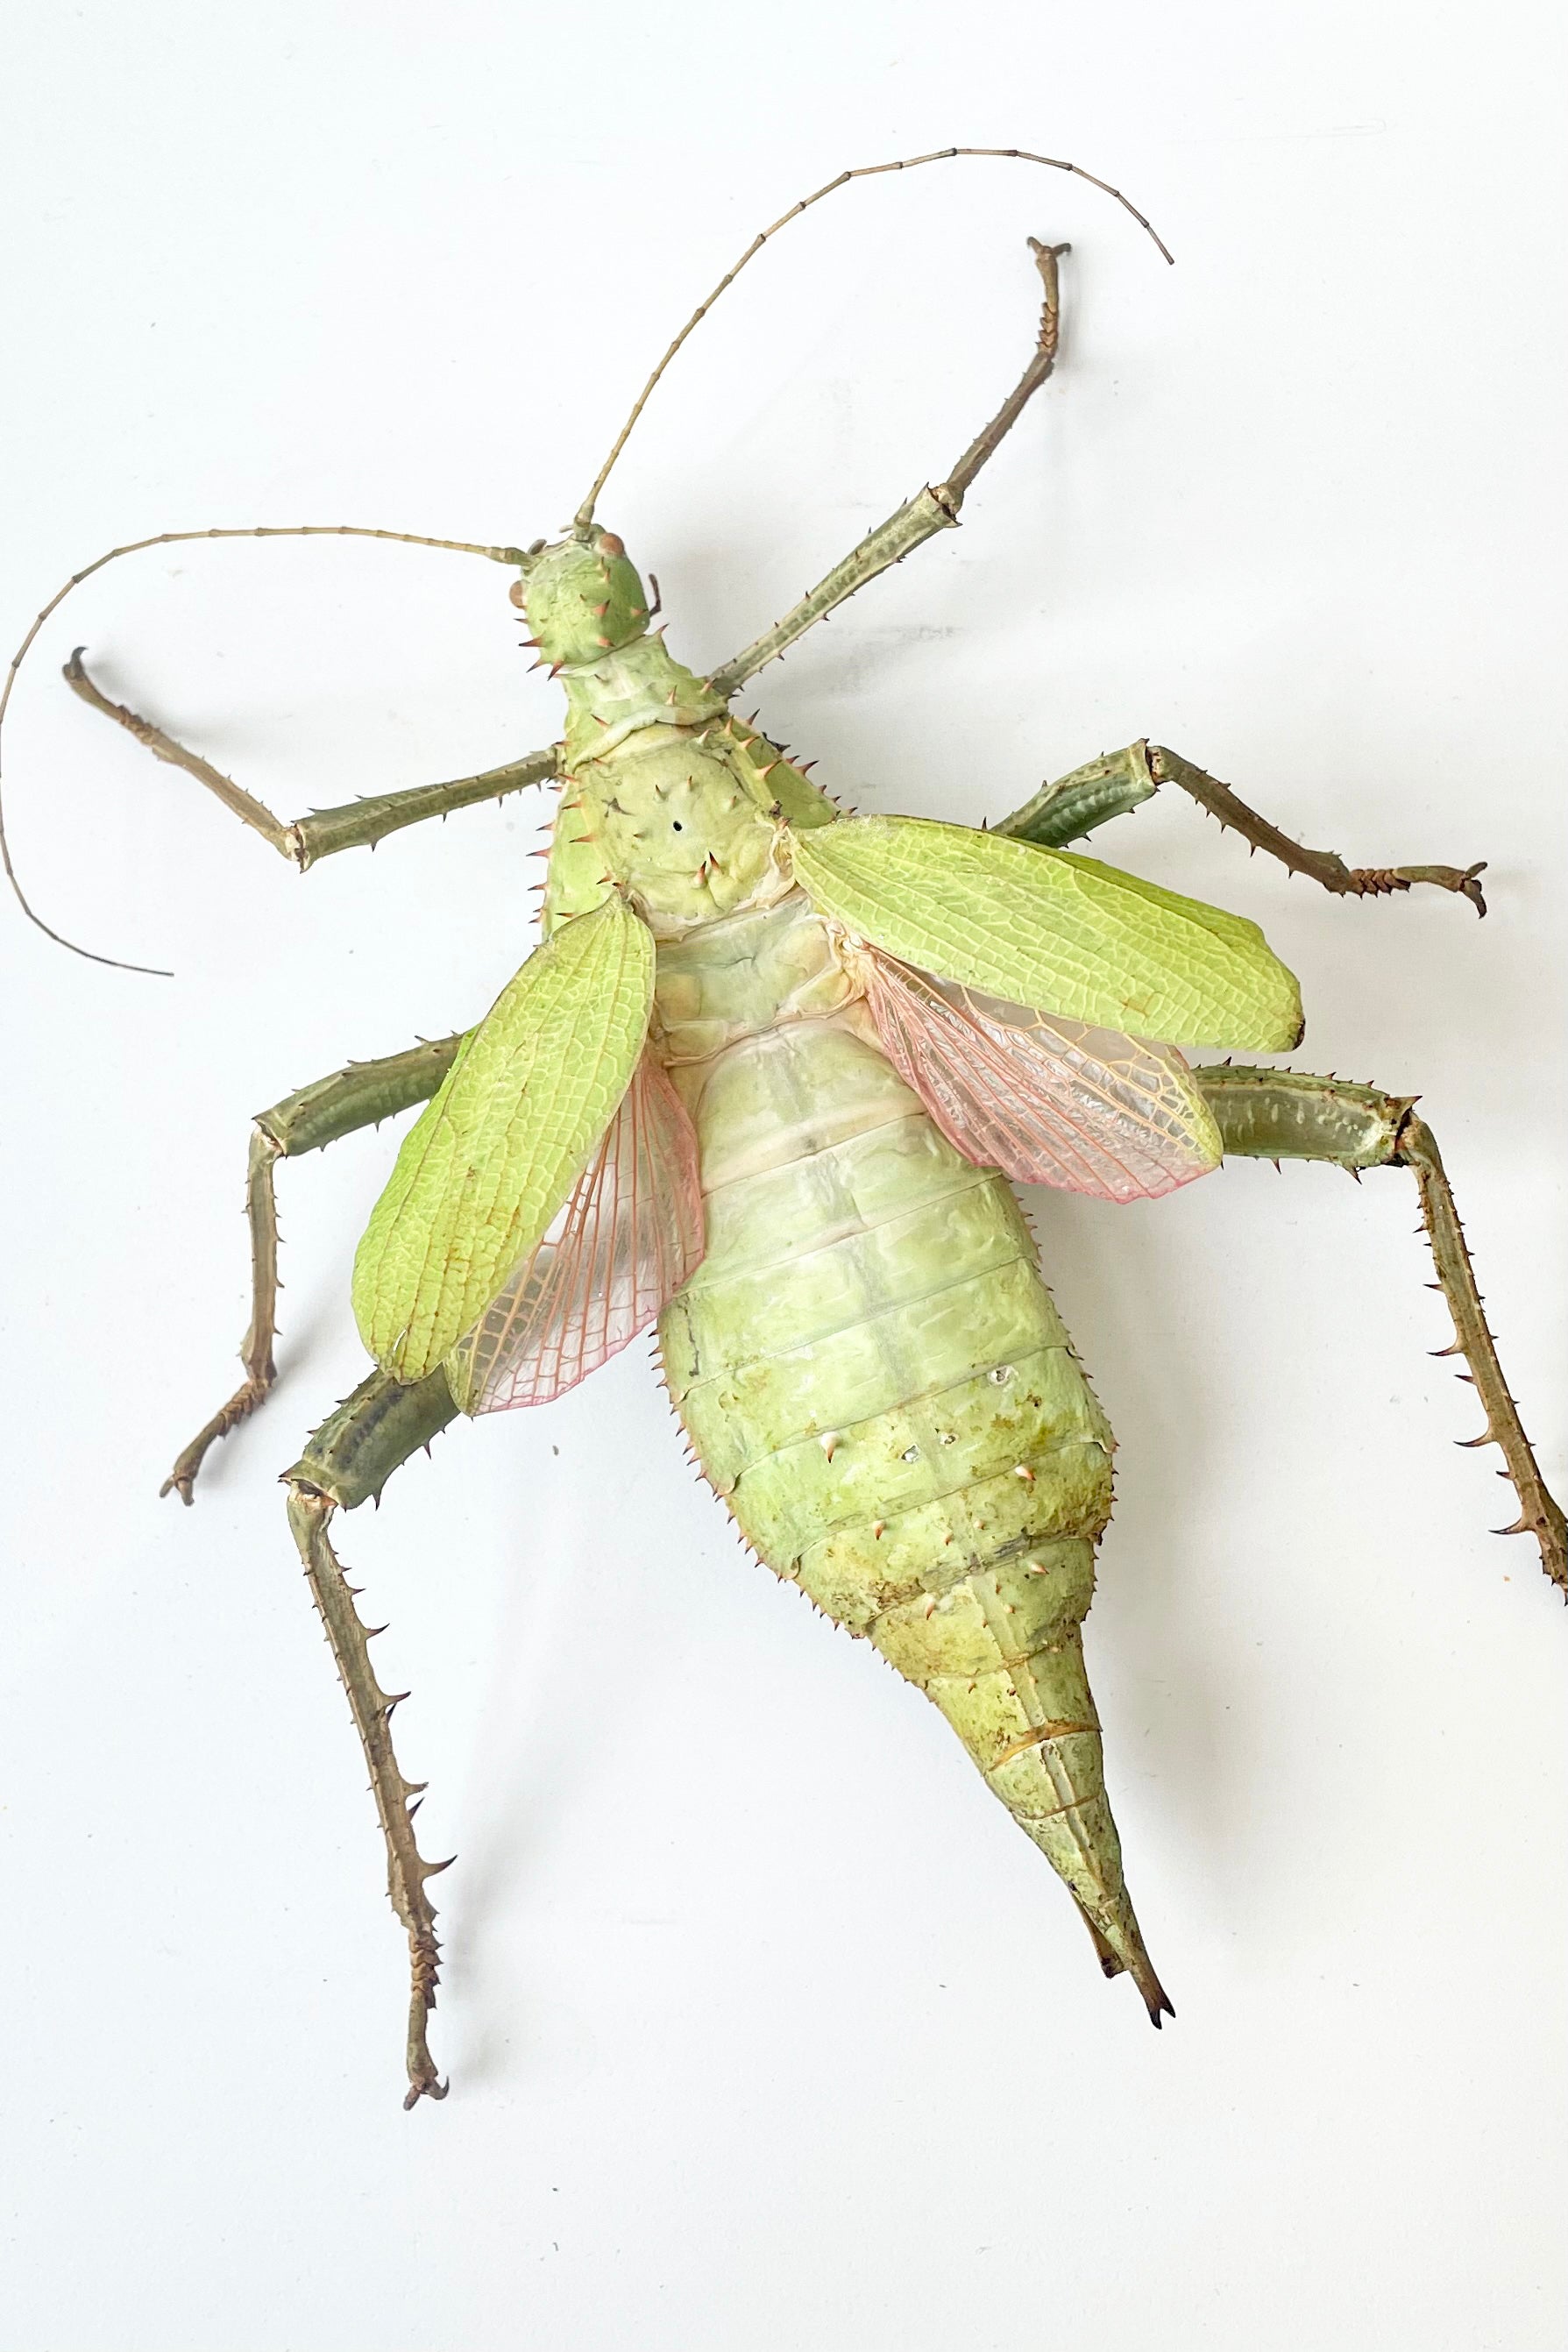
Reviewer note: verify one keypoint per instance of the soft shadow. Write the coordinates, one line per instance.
(1120, 1277)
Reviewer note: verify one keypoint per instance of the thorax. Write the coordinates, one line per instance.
(669, 797)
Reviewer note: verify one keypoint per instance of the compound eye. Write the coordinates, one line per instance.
(516, 593)
(608, 543)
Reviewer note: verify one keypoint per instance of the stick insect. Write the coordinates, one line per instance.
(766, 1083)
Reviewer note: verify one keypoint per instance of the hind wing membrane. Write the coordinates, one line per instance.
(1047, 1100)
(628, 1236)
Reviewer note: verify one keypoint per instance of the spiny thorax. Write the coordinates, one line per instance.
(667, 796)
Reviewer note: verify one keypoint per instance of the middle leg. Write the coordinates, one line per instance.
(361, 1096)
(1120, 781)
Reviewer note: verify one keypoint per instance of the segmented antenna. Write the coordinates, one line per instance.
(584, 516)
(509, 555)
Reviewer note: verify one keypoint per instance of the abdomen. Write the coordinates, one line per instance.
(875, 1380)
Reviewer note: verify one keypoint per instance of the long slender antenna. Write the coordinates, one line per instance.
(510, 555)
(584, 515)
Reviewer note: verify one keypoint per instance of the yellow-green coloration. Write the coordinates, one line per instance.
(491, 1159)
(1053, 930)
(665, 794)
(583, 598)
(871, 1370)
(876, 1381)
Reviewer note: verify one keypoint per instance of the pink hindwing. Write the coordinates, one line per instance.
(1047, 1100)
(630, 1235)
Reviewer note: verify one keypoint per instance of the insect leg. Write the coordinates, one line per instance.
(361, 1096)
(921, 517)
(324, 831)
(1288, 1115)
(347, 1461)
(1121, 781)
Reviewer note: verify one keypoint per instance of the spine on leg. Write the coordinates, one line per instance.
(353, 1454)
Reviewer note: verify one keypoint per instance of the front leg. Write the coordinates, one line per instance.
(921, 517)
(1120, 781)
(1289, 1114)
(355, 825)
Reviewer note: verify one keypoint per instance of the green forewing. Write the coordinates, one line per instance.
(1047, 928)
(491, 1159)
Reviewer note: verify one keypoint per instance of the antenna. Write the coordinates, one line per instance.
(584, 516)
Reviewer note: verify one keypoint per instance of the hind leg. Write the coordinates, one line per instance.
(346, 1462)
(1288, 1115)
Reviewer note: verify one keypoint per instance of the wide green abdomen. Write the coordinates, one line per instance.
(869, 1334)
(877, 1383)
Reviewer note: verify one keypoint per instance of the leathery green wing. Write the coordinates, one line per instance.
(768, 1082)
(487, 1164)
(1059, 931)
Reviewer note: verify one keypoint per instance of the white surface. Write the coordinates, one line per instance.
(766, 2027)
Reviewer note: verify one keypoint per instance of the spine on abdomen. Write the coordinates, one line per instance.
(874, 1378)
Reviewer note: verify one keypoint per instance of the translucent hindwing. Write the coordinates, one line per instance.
(627, 1238)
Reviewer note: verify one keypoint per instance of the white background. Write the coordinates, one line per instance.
(766, 2028)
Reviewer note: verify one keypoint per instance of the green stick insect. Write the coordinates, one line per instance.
(765, 1083)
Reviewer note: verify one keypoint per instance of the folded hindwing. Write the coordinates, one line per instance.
(1048, 1100)
(489, 1162)
(627, 1239)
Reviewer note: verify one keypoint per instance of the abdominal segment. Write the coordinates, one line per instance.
(876, 1381)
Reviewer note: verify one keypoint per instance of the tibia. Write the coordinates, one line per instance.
(345, 1462)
